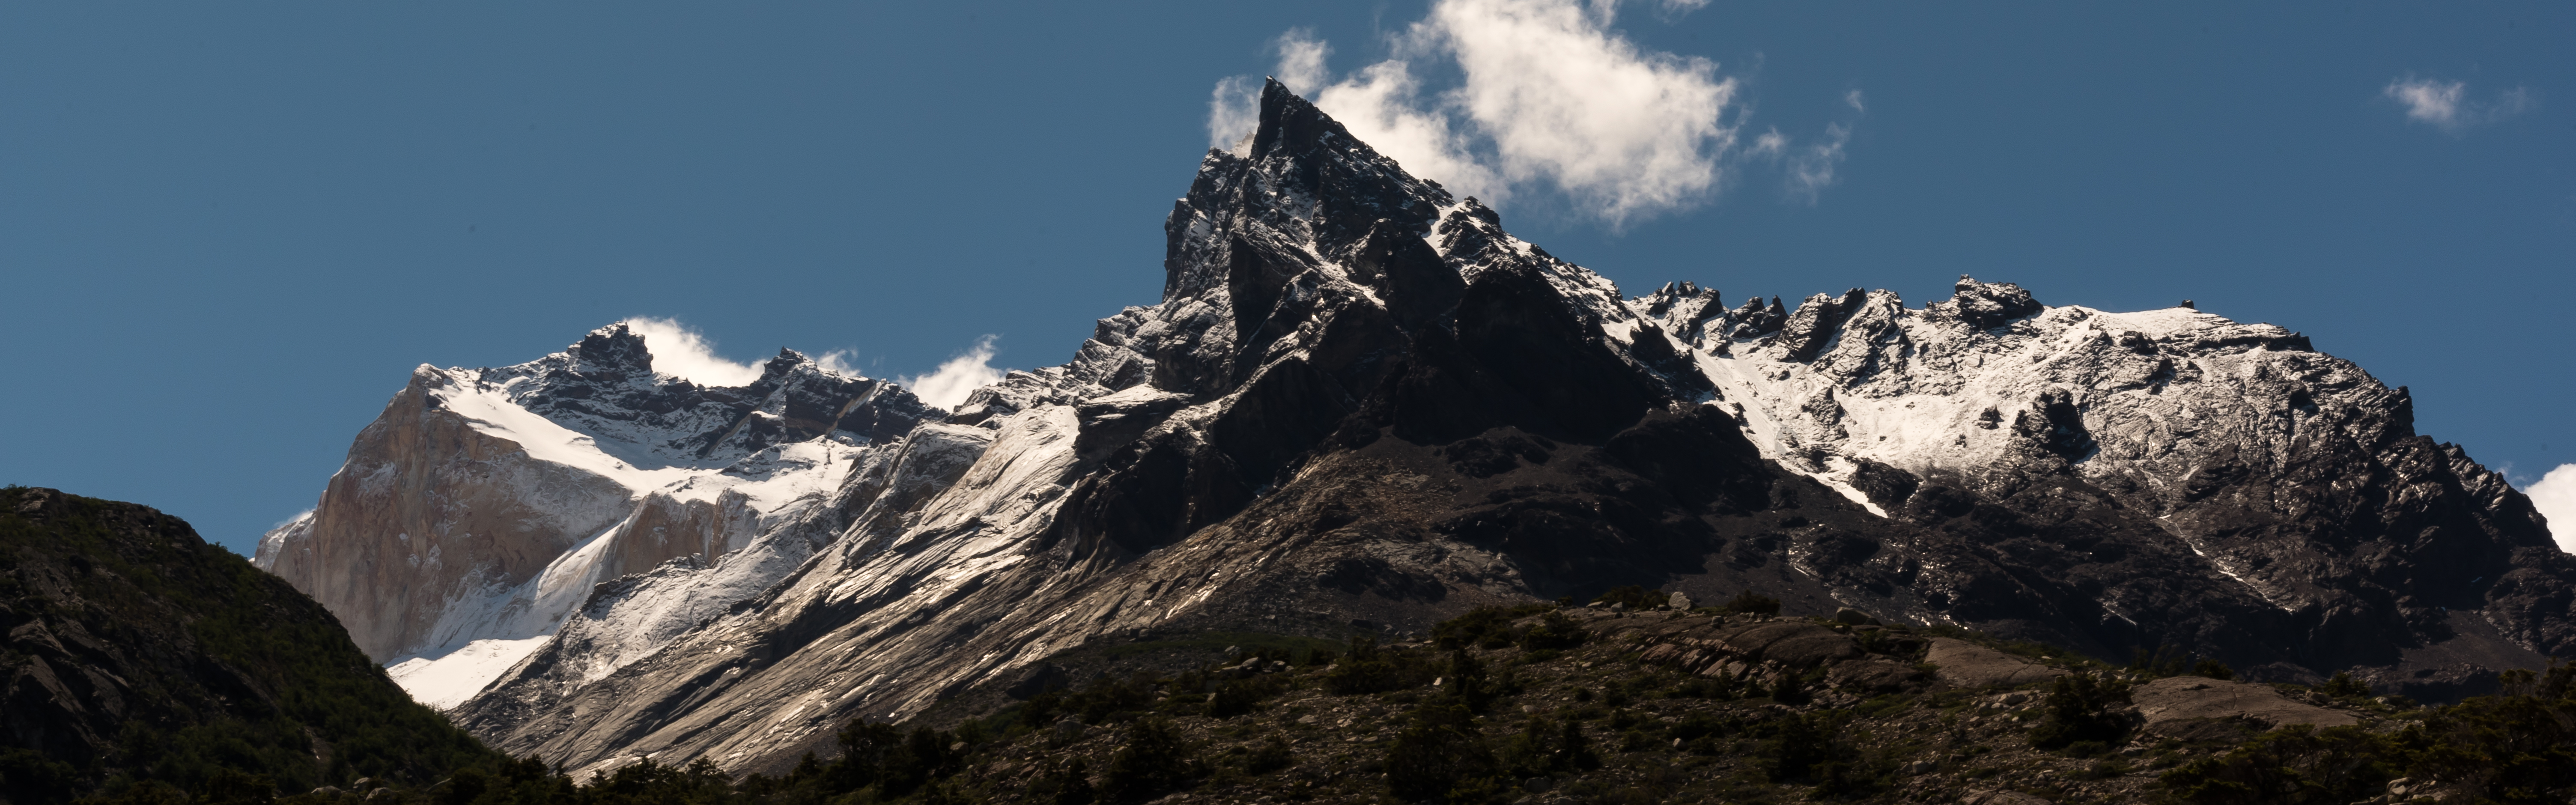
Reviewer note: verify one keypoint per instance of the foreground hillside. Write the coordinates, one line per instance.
(1619, 704)
(141, 659)
(1546, 705)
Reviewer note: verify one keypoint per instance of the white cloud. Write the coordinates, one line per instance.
(1234, 110)
(1301, 61)
(1671, 11)
(1379, 104)
(1567, 102)
(839, 361)
(1852, 98)
(1550, 96)
(2555, 496)
(960, 376)
(2427, 100)
(2447, 106)
(1812, 170)
(683, 353)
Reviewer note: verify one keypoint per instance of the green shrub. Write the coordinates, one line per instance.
(2343, 686)
(1752, 603)
(1545, 747)
(1370, 669)
(1634, 597)
(1437, 751)
(1791, 688)
(1272, 755)
(1065, 784)
(1486, 627)
(2083, 707)
(2339, 764)
(1153, 762)
(1801, 747)
(1554, 632)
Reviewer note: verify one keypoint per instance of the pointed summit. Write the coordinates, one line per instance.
(613, 351)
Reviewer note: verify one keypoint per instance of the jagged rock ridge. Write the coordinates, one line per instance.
(1362, 404)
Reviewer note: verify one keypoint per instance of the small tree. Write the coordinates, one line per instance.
(2343, 686)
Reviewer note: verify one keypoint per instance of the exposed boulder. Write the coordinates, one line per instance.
(1969, 665)
(2169, 704)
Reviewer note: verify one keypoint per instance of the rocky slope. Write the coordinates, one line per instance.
(1363, 405)
(2291, 473)
(137, 652)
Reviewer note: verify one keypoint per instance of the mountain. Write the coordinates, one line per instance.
(137, 653)
(483, 504)
(1362, 405)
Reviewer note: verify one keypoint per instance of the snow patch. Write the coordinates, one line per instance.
(447, 680)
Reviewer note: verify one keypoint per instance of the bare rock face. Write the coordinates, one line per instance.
(2173, 700)
(430, 508)
(1362, 405)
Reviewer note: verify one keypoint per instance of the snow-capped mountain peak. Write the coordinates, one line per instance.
(1361, 404)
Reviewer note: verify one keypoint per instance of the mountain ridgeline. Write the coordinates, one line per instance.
(1362, 406)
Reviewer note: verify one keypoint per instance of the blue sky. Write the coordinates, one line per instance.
(228, 232)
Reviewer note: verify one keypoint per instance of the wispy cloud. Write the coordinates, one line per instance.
(1671, 11)
(2446, 105)
(1812, 169)
(1232, 112)
(1550, 96)
(2555, 496)
(948, 386)
(840, 361)
(686, 354)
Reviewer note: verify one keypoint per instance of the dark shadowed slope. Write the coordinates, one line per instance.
(138, 652)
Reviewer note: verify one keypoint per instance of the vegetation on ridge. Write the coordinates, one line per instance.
(141, 660)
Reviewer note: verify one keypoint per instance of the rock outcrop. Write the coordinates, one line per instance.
(1969, 665)
(2169, 704)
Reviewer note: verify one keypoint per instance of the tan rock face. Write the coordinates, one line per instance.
(2187, 698)
(1969, 665)
(428, 510)
(664, 528)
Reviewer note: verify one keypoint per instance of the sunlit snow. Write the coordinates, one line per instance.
(446, 681)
